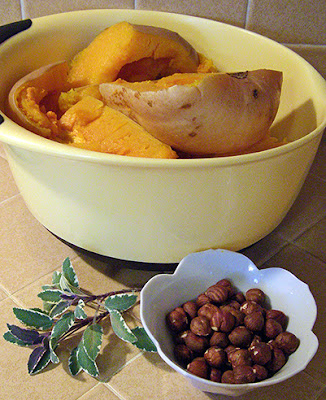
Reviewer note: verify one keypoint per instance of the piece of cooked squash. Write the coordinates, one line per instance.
(134, 53)
(201, 113)
(95, 126)
(33, 99)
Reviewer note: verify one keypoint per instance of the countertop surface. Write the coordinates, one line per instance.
(29, 255)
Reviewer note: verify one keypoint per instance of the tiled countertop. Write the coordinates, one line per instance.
(29, 254)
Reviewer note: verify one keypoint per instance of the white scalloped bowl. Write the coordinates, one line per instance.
(198, 271)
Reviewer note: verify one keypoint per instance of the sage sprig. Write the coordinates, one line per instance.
(64, 314)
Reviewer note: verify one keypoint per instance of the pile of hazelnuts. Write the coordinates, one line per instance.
(229, 336)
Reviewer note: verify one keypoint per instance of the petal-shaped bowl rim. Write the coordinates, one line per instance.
(198, 271)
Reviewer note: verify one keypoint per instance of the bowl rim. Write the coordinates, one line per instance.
(28, 140)
(201, 382)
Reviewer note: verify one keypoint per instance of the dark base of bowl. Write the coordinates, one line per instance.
(120, 263)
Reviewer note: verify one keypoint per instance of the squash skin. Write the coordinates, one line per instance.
(123, 44)
(202, 114)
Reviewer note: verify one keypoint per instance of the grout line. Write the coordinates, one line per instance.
(22, 9)
(247, 13)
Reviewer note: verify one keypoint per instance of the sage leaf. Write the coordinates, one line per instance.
(38, 360)
(33, 318)
(120, 327)
(63, 325)
(92, 340)
(9, 337)
(27, 336)
(73, 364)
(143, 340)
(120, 302)
(79, 310)
(52, 346)
(59, 308)
(87, 364)
(69, 273)
(52, 296)
(56, 276)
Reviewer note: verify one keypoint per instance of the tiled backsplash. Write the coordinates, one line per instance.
(300, 24)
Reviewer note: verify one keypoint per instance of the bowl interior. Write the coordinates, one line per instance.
(285, 292)
(302, 107)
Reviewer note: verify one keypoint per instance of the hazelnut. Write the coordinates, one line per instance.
(260, 353)
(260, 372)
(197, 344)
(190, 308)
(287, 342)
(198, 367)
(254, 321)
(215, 356)
(200, 326)
(202, 299)
(222, 321)
(227, 284)
(227, 377)
(207, 310)
(240, 336)
(230, 349)
(239, 297)
(244, 374)
(217, 293)
(251, 306)
(232, 304)
(215, 375)
(219, 339)
(177, 320)
(277, 361)
(279, 316)
(238, 316)
(256, 339)
(183, 354)
(272, 328)
(256, 295)
(179, 338)
(239, 357)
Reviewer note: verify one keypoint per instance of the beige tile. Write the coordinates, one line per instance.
(263, 250)
(314, 240)
(38, 8)
(51, 384)
(312, 271)
(289, 21)
(3, 294)
(10, 11)
(27, 250)
(8, 187)
(231, 12)
(99, 392)
(307, 210)
(315, 55)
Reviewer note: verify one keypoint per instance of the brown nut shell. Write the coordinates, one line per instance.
(215, 357)
(198, 367)
(200, 326)
(240, 336)
(244, 374)
(287, 342)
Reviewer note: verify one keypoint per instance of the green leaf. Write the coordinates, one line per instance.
(52, 346)
(63, 325)
(59, 308)
(56, 276)
(120, 302)
(92, 340)
(79, 310)
(52, 296)
(120, 327)
(27, 336)
(143, 340)
(85, 362)
(38, 360)
(9, 337)
(33, 318)
(69, 273)
(73, 364)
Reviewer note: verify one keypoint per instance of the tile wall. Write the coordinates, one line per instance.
(300, 24)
